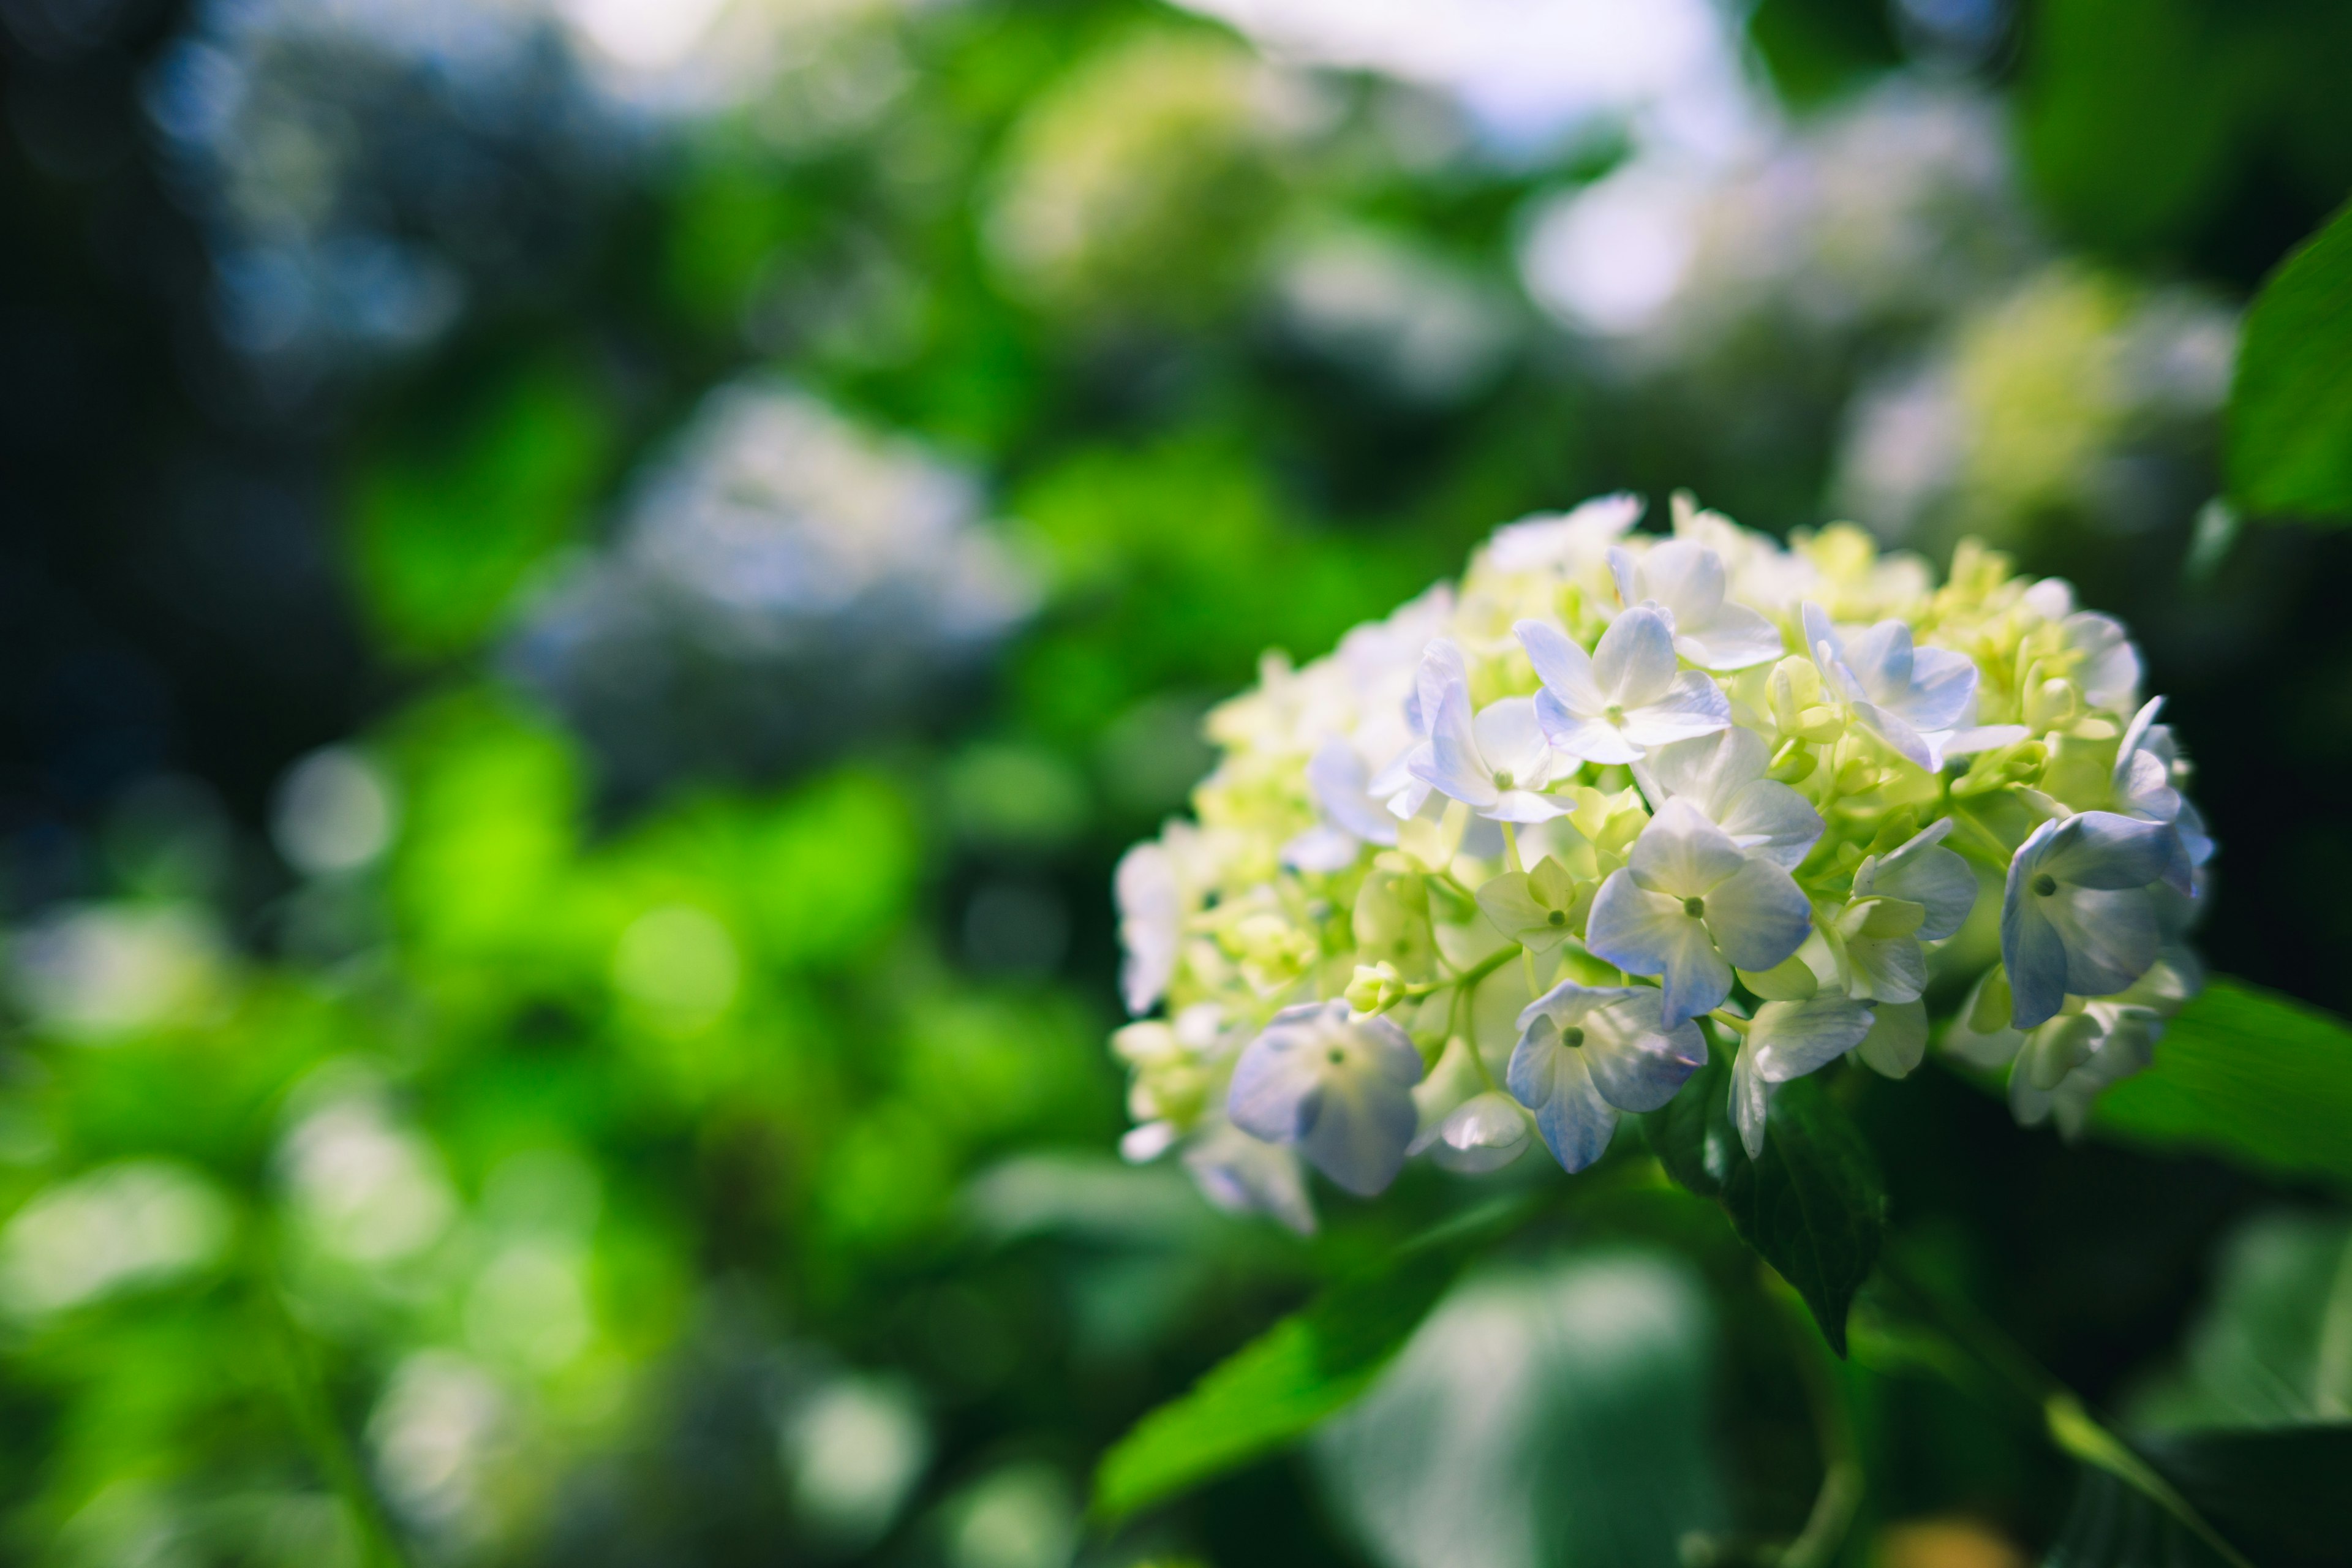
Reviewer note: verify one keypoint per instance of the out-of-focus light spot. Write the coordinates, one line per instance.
(678, 960)
(363, 1188)
(529, 1307)
(644, 34)
(335, 810)
(438, 1423)
(137, 1224)
(1608, 259)
(853, 1450)
(1529, 71)
(1424, 327)
(1022, 1516)
(97, 971)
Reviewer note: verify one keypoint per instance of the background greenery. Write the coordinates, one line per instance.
(589, 1117)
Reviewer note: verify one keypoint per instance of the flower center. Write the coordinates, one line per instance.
(1696, 908)
(1503, 779)
(1336, 1056)
(1614, 713)
(1557, 918)
(2045, 884)
(1572, 1035)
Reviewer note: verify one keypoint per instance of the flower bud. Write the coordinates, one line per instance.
(1376, 988)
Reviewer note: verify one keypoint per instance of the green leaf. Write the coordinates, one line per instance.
(1280, 1385)
(2290, 441)
(2275, 1496)
(2271, 1348)
(1546, 1414)
(2249, 1074)
(1814, 1206)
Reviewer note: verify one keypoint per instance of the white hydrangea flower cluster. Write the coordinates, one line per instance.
(1496, 868)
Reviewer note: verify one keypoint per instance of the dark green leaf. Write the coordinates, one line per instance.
(2291, 408)
(2249, 1075)
(1551, 1413)
(2266, 1351)
(1283, 1383)
(1814, 1206)
(2275, 1496)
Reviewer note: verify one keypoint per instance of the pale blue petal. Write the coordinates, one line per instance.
(1682, 854)
(1823, 646)
(1757, 916)
(1322, 848)
(1769, 820)
(1636, 1062)
(1239, 1172)
(2103, 849)
(1552, 1081)
(2031, 947)
(1338, 778)
(1898, 734)
(1633, 928)
(1276, 1084)
(1943, 688)
(1569, 1003)
(1880, 658)
(2111, 938)
(1625, 572)
(1357, 1130)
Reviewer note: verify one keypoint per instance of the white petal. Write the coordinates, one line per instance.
(1757, 916)
(1633, 664)
(1943, 688)
(2103, 849)
(1562, 666)
(1151, 924)
(1900, 737)
(1511, 740)
(1691, 705)
(1594, 740)
(1790, 1039)
(1686, 579)
(1522, 805)
(1325, 848)
(1453, 767)
(1925, 873)
(1751, 1101)
(1735, 637)
(1485, 1133)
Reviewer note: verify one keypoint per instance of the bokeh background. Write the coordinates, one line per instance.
(589, 590)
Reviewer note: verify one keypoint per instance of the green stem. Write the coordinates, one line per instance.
(322, 1434)
(1843, 1481)
(2068, 1422)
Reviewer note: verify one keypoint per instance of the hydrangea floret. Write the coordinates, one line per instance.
(1513, 862)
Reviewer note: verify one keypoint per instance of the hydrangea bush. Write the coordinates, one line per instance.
(1508, 864)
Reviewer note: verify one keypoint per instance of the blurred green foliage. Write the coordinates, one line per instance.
(720, 1182)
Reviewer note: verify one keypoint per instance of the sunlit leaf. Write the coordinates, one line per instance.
(1282, 1384)
(2249, 1075)
(1551, 1415)
(2291, 408)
